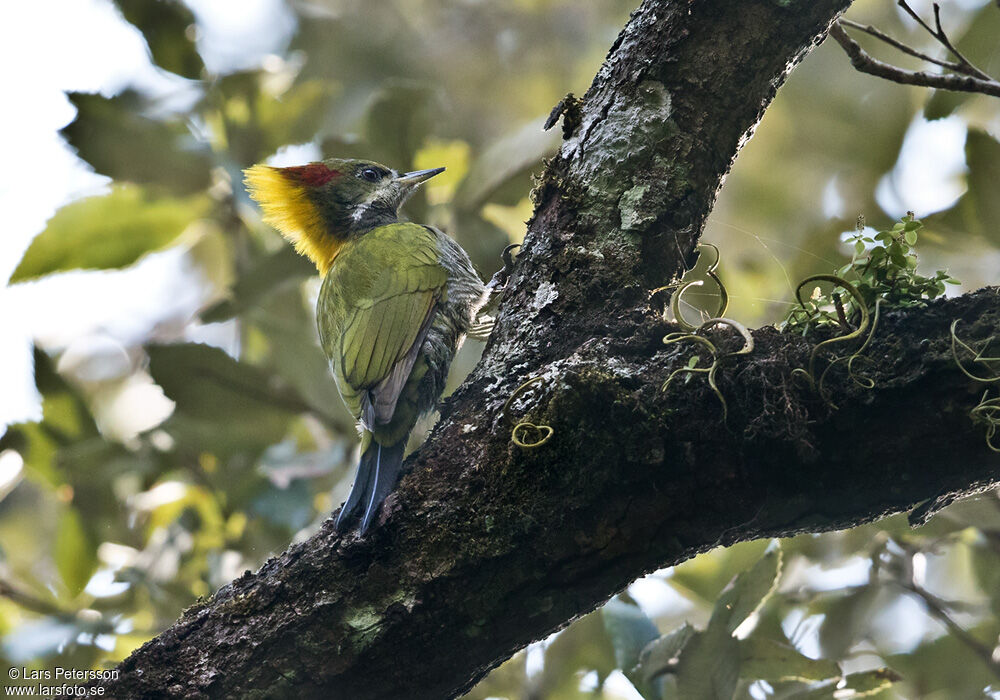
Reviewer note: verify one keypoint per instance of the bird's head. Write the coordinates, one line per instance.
(320, 206)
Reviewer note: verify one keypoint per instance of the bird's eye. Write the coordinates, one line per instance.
(371, 174)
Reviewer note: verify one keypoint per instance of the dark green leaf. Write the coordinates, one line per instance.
(662, 655)
(513, 156)
(399, 118)
(629, 630)
(166, 24)
(269, 274)
(221, 403)
(118, 140)
(847, 620)
(709, 666)
(980, 204)
(296, 355)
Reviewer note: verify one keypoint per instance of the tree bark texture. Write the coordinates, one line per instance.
(487, 546)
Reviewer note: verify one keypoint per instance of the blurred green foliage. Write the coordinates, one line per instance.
(107, 532)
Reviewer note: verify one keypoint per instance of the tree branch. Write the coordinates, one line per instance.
(485, 546)
(942, 38)
(966, 77)
(895, 43)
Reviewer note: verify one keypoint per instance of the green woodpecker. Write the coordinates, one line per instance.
(395, 303)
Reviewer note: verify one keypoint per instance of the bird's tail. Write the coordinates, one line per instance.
(377, 474)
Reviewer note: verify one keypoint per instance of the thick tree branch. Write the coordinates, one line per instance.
(486, 546)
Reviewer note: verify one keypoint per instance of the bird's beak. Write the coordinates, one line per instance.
(410, 180)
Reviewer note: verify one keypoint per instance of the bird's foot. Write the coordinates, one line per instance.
(483, 325)
(500, 277)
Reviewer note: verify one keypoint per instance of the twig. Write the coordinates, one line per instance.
(895, 43)
(937, 610)
(942, 38)
(864, 63)
(28, 601)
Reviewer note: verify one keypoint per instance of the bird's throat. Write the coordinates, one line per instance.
(286, 205)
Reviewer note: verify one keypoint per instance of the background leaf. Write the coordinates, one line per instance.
(167, 26)
(119, 140)
(74, 551)
(108, 231)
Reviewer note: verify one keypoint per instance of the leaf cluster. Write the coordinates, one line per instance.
(883, 266)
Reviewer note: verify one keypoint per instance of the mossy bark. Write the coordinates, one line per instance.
(486, 546)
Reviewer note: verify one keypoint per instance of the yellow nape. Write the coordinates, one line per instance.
(286, 206)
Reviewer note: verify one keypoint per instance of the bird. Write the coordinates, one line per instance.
(397, 299)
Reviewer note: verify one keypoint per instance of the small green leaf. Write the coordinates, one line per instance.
(911, 236)
(859, 247)
(510, 158)
(709, 666)
(661, 655)
(629, 630)
(766, 659)
(854, 685)
(108, 231)
(749, 590)
(75, 554)
(847, 620)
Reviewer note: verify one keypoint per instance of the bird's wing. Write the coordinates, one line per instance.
(384, 328)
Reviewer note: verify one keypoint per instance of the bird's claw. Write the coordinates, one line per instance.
(501, 276)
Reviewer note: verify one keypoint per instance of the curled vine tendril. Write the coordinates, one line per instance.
(524, 427)
(988, 412)
(858, 332)
(711, 370)
(859, 379)
(956, 341)
(675, 298)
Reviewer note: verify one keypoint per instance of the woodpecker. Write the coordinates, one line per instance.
(396, 301)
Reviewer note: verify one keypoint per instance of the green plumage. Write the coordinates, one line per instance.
(392, 311)
(396, 301)
(372, 306)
